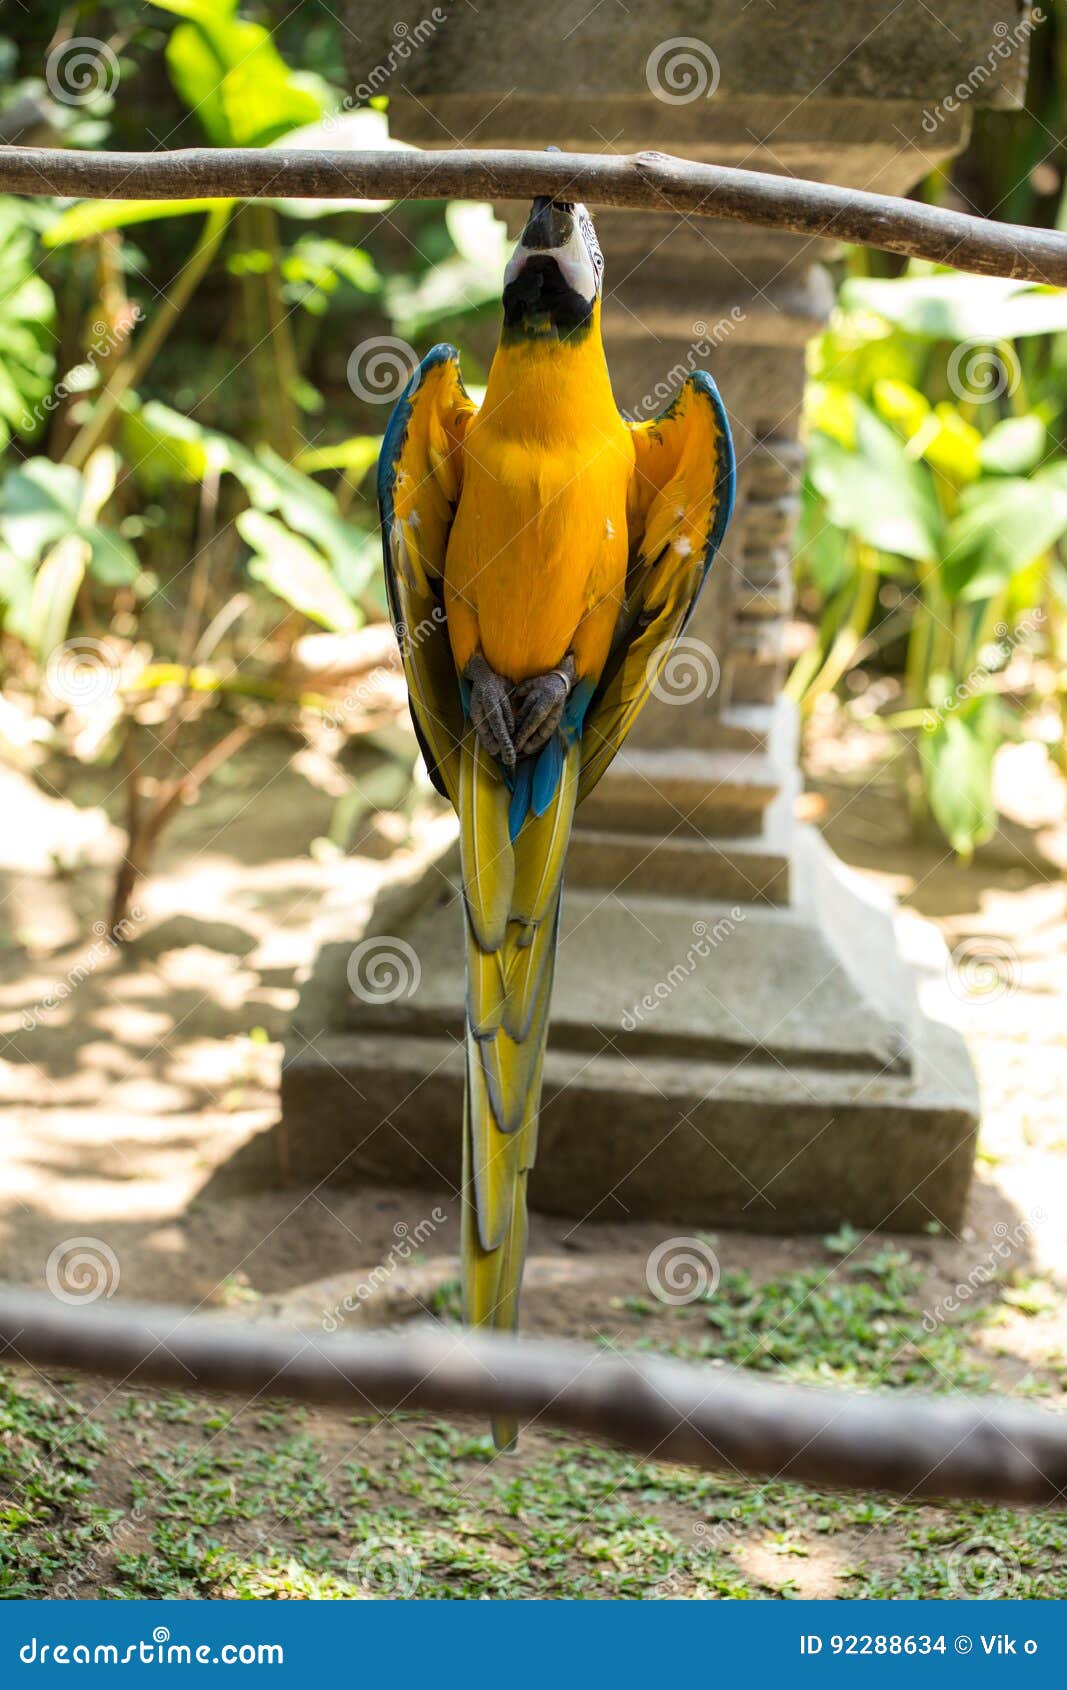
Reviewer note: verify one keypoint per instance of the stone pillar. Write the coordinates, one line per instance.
(732, 1015)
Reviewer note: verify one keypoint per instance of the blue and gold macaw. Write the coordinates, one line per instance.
(542, 555)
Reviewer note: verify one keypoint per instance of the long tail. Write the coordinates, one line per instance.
(512, 897)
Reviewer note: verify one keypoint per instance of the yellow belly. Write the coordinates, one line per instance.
(536, 561)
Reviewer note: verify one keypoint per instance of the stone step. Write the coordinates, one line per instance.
(775, 467)
(726, 870)
(688, 978)
(755, 677)
(769, 521)
(757, 727)
(705, 793)
(764, 592)
(760, 1146)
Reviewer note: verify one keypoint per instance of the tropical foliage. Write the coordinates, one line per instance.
(934, 507)
(183, 497)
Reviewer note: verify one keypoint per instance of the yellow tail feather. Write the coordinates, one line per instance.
(512, 897)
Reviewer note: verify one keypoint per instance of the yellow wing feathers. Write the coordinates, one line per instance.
(680, 501)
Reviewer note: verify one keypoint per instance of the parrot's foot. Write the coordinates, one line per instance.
(538, 706)
(491, 711)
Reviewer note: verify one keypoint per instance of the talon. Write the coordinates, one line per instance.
(538, 706)
(491, 711)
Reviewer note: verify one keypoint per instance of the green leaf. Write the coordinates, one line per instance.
(957, 764)
(229, 72)
(205, 12)
(55, 590)
(42, 503)
(1003, 524)
(958, 307)
(316, 267)
(296, 572)
(27, 363)
(1014, 446)
(93, 217)
(901, 404)
(16, 593)
(274, 485)
(38, 505)
(951, 444)
(877, 491)
(822, 548)
(355, 456)
(165, 446)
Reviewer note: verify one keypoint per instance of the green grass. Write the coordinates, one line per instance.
(171, 1495)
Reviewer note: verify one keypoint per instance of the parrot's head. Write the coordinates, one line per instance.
(553, 279)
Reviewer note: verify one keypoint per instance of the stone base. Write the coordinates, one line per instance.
(756, 1065)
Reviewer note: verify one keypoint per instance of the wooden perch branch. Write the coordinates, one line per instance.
(709, 1417)
(647, 181)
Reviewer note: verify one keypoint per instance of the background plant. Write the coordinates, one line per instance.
(934, 507)
(182, 499)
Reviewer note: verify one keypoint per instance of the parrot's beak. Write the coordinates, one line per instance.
(549, 226)
(553, 278)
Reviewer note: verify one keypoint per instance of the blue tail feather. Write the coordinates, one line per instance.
(547, 770)
(520, 795)
(536, 783)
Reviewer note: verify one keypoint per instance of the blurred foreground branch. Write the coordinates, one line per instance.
(708, 1417)
(647, 181)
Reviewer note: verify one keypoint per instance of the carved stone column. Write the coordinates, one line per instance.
(735, 1034)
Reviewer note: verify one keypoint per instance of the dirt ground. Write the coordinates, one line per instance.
(139, 1091)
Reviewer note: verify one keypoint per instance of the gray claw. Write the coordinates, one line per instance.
(491, 711)
(538, 707)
